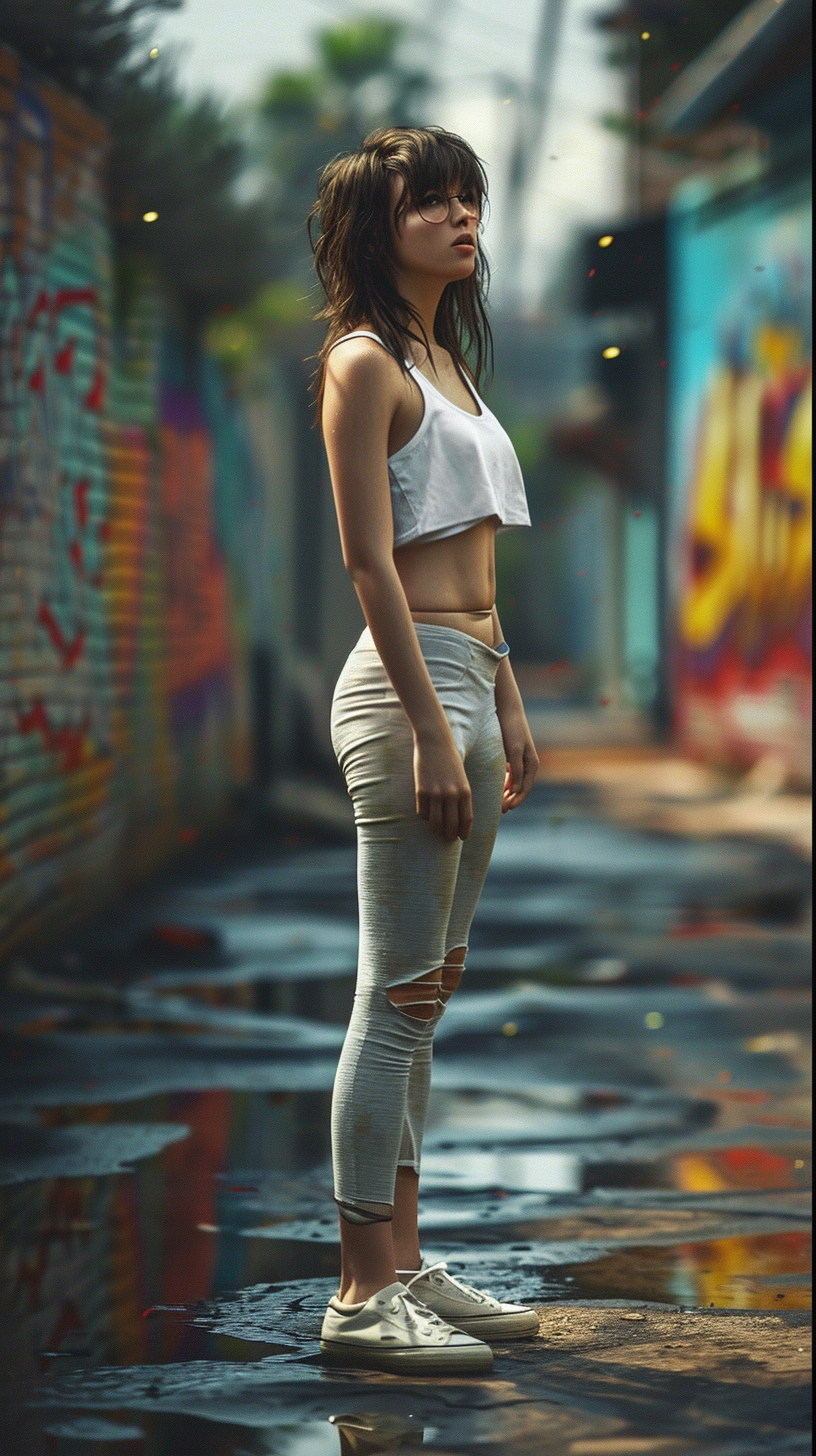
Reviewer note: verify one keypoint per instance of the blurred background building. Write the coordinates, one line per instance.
(175, 610)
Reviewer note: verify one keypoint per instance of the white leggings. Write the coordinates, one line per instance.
(417, 895)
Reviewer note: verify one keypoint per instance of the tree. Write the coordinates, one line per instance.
(169, 156)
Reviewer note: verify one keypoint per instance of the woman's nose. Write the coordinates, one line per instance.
(460, 211)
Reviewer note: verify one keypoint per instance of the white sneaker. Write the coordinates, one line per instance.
(471, 1310)
(394, 1331)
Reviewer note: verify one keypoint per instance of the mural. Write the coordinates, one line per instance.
(740, 472)
(121, 705)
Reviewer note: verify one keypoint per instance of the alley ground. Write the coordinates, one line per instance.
(619, 1133)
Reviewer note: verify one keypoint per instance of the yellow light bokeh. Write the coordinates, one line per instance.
(606, 240)
(150, 217)
(612, 352)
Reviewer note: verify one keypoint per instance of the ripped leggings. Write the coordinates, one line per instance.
(417, 895)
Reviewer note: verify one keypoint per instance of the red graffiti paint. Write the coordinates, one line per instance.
(69, 652)
(75, 556)
(81, 489)
(40, 305)
(64, 297)
(64, 358)
(66, 743)
(36, 380)
(96, 393)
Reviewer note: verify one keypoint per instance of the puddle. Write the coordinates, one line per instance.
(763, 1271)
(619, 1115)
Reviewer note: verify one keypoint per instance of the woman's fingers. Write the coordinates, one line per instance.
(449, 813)
(450, 817)
(436, 821)
(519, 779)
(465, 815)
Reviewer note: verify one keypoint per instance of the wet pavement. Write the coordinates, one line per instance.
(619, 1133)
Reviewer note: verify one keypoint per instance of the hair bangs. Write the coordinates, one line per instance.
(433, 161)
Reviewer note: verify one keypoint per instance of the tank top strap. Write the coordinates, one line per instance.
(367, 334)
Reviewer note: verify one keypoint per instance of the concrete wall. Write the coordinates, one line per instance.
(125, 603)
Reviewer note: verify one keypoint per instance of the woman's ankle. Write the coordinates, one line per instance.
(410, 1264)
(360, 1291)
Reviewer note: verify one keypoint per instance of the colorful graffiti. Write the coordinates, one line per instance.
(120, 720)
(741, 474)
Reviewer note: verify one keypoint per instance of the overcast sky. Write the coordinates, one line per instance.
(479, 49)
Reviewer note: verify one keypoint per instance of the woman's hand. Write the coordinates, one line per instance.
(443, 794)
(522, 757)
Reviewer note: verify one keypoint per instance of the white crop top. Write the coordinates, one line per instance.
(456, 470)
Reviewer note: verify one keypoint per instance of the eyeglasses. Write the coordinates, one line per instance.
(436, 208)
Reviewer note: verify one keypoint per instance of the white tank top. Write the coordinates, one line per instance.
(456, 470)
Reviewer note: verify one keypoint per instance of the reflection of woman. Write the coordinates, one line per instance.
(427, 721)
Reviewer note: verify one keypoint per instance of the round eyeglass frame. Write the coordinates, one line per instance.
(474, 209)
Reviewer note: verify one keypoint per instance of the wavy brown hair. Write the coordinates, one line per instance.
(353, 252)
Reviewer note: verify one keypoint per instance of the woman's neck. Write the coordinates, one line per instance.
(423, 293)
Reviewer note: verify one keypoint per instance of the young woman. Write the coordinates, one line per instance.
(427, 721)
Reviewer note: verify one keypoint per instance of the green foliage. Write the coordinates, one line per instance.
(177, 158)
(86, 45)
(237, 337)
(360, 49)
(291, 97)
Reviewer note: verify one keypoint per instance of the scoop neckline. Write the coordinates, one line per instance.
(468, 415)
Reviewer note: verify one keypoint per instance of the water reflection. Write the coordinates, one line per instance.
(365, 1434)
(169, 1208)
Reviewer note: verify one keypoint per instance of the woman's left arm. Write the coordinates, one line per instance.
(520, 751)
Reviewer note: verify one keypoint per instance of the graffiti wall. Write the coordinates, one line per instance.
(740, 470)
(121, 716)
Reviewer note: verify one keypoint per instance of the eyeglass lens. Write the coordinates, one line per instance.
(437, 209)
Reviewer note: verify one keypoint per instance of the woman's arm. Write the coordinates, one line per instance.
(519, 747)
(360, 399)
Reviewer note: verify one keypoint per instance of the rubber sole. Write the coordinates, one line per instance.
(414, 1360)
(499, 1326)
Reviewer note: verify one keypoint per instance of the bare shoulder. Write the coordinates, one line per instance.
(364, 365)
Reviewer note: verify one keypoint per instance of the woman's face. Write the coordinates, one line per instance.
(445, 249)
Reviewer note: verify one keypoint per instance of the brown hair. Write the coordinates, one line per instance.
(353, 253)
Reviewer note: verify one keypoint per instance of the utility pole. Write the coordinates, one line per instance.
(532, 118)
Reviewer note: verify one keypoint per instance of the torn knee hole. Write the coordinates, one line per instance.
(418, 998)
(451, 976)
(427, 995)
(452, 971)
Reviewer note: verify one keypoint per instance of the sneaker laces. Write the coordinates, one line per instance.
(415, 1313)
(442, 1267)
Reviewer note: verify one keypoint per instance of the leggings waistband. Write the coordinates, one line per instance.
(429, 631)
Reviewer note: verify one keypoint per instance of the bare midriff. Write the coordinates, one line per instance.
(452, 582)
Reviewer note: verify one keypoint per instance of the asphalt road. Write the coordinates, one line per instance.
(619, 1133)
